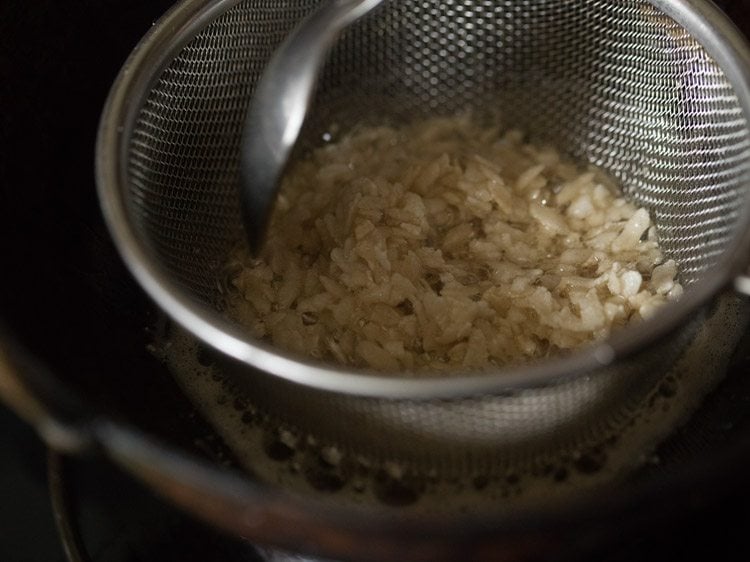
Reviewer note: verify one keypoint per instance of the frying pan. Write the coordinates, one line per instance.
(74, 331)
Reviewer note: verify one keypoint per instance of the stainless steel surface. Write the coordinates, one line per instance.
(655, 93)
(279, 106)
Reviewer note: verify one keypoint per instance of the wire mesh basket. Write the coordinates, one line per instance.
(655, 93)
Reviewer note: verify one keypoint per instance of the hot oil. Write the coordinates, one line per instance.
(297, 461)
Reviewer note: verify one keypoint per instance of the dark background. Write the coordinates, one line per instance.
(58, 59)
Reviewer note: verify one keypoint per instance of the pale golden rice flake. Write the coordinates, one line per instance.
(444, 245)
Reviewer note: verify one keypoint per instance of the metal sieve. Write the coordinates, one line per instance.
(656, 93)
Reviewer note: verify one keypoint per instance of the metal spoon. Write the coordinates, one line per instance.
(279, 106)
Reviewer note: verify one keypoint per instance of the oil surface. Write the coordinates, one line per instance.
(296, 460)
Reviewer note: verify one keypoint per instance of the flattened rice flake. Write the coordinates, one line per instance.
(445, 245)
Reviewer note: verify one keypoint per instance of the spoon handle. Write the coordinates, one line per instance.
(279, 105)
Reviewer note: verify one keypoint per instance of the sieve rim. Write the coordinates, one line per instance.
(706, 23)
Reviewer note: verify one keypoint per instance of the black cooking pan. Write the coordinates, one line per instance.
(74, 330)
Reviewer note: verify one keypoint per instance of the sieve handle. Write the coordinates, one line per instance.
(35, 397)
(279, 105)
(742, 284)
